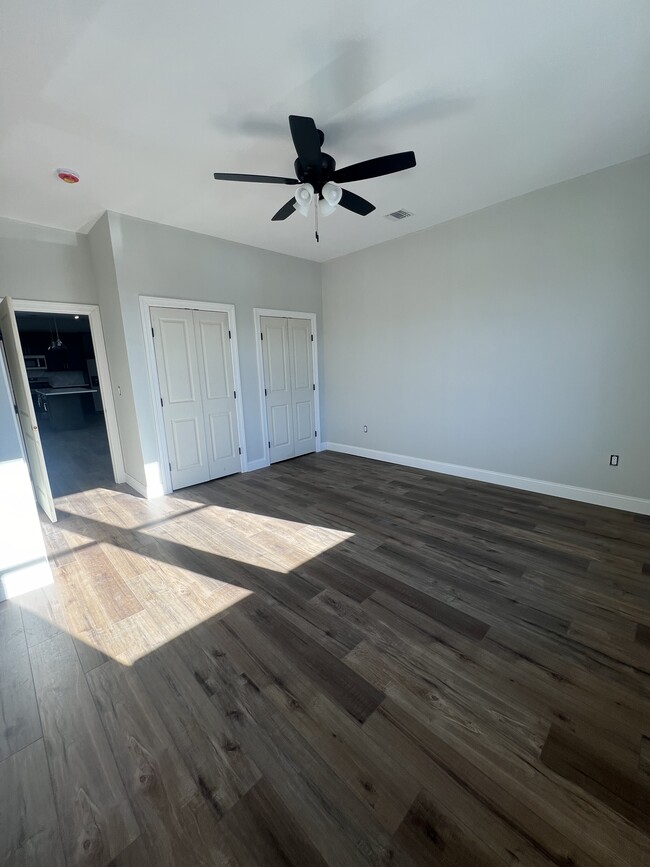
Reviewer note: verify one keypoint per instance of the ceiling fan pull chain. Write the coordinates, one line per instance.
(316, 199)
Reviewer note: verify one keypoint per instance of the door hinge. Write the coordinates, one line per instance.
(315, 433)
(229, 336)
(266, 394)
(152, 332)
(269, 444)
(313, 388)
(261, 336)
(312, 338)
(161, 401)
(239, 451)
(235, 394)
(170, 466)
(16, 408)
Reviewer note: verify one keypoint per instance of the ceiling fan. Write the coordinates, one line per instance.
(318, 178)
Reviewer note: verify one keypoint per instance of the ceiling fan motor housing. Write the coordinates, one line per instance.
(316, 174)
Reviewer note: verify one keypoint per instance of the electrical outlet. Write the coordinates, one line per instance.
(613, 460)
(365, 428)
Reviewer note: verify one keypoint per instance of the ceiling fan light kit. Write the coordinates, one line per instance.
(325, 209)
(331, 195)
(318, 178)
(303, 196)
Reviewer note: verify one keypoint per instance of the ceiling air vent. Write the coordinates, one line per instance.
(399, 215)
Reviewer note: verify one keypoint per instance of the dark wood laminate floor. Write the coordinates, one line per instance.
(78, 459)
(330, 662)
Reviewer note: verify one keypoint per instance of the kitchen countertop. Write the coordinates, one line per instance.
(53, 392)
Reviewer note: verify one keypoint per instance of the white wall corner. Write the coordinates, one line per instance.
(137, 486)
(538, 486)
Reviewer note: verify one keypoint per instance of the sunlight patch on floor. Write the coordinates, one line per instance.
(169, 613)
(119, 590)
(80, 504)
(245, 537)
(134, 637)
(250, 538)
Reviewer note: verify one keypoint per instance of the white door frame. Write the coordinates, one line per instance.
(101, 359)
(146, 303)
(258, 312)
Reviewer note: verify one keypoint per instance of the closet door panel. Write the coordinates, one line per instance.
(277, 382)
(304, 423)
(302, 385)
(178, 376)
(222, 437)
(216, 377)
(186, 438)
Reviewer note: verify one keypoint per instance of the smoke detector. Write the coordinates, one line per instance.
(67, 176)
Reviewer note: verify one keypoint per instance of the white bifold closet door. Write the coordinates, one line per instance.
(195, 371)
(288, 386)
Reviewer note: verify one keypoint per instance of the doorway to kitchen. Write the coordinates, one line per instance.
(59, 372)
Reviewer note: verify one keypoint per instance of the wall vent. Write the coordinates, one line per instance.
(398, 215)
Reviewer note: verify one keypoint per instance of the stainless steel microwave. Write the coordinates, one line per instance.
(35, 362)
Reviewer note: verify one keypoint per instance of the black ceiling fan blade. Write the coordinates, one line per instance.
(356, 204)
(285, 211)
(254, 179)
(306, 139)
(375, 168)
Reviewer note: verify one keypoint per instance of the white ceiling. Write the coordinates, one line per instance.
(147, 99)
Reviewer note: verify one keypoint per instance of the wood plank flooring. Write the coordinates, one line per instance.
(334, 662)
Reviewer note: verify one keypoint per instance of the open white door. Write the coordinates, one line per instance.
(26, 414)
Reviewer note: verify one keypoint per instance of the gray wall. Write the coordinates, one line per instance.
(122, 258)
(152, 259)
(42, 264)
(514, 340)
(113, 327)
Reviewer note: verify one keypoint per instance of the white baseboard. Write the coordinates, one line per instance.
(251, 466)
(538, 486)
(153, 488)
(136, 485)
